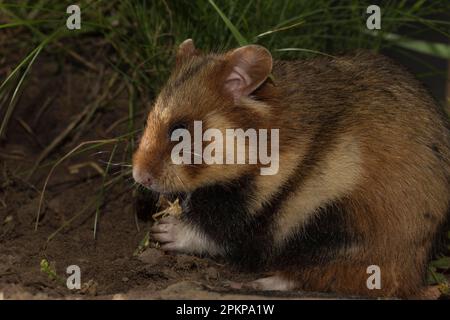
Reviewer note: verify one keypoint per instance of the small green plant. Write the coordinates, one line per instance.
(437, 271)
(50, 271)
(144, 244)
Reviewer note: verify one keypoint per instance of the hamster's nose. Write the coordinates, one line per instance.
(142, 177)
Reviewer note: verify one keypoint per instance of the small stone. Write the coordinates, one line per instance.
(8, 219)
(118, 296)
(89, 288)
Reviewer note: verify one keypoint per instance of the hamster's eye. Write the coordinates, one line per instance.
(179, 125)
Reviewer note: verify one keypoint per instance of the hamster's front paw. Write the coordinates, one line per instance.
(170, 233)
(176, 235)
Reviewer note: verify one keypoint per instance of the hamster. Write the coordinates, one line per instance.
(363, 178)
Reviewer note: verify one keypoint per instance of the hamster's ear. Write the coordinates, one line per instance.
(249, 67)
(186, 50)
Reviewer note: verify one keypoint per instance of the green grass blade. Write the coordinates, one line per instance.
(20, 65)
(439, 50)
(237, 35)
(11, 105)
(304, 50)
(101, 196)
(279, 29)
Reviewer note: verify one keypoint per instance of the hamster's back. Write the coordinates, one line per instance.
(402, 195)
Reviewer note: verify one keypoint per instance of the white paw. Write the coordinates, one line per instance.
(273, 283)
(174, 235)
(170, 234)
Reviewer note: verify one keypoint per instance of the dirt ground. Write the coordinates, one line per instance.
(52, 100)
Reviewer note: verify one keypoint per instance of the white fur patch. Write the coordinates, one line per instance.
(174, 235)
(337, 176)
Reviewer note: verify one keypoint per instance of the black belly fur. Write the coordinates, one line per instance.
(221, 213)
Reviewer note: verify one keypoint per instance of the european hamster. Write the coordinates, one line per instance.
(363, 177)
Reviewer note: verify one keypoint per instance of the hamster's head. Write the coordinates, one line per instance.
(204, 91)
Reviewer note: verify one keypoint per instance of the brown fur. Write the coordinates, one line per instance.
(357, 130)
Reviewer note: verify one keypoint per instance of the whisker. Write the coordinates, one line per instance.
(182, 183)
(121, 164)
(99, 152)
